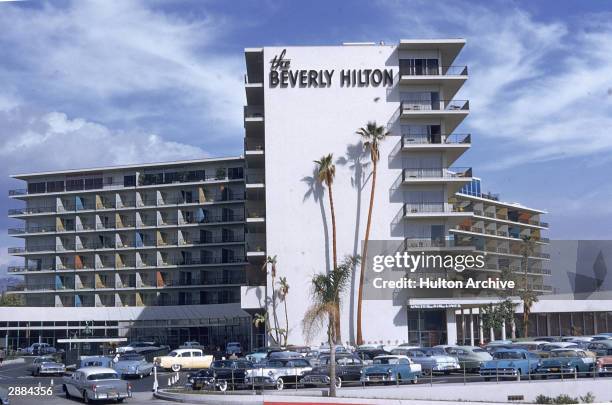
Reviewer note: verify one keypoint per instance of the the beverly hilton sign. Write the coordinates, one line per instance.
(281, 75)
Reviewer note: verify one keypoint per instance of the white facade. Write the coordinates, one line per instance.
(301, 123)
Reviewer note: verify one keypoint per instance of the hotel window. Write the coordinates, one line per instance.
(235, 173)
(129, 181)
(420, 100)
(412, 67)
(91, 184)
(171, 177)
(72, 185)
(149, 179)
(35, 188)
(53, 186)
(196, 175)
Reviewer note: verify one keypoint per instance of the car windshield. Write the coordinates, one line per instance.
(172, 354)
(386, 360)
(102, 376)
(507, 355)
(479, 350)
(564, 353)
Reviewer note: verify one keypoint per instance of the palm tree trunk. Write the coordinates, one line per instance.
(337, 336)
(364, 256)
(276, 331)
(286, 323)
(332, 359)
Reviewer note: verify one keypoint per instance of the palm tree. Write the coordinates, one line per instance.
(326, 290)
(283, 291)
(371, 136)
(526, 292)
(326, 171)
(272, 260)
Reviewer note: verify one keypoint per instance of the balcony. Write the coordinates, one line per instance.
(454, 144)
(254, 148)
(450, 78)
(253, 115)
(451, 111)
(432, 209)
(455, 177)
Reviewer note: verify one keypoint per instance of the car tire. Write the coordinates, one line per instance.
(427, 372)
(176, 368)
(120, 400)
(338, 382)
(280, 384)
(223, 386)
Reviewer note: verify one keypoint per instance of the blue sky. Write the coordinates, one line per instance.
(89, 83)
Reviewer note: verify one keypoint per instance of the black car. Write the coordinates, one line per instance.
(367, 355)
(348, 368)
(221, 374)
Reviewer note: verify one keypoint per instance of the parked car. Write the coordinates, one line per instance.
(532, 346)
(491, 347)
(180, 359)
(96, 383)
(601, 337)
(233, 348)
(40, 349)
(348, 368)
(513, 363)
(577, 338)
(430, 359)
(284, 354)
(303, 350)
(278, 372)
(261, 353)
(133, 365)
(601, 347)
(566, 361)
(470, 357)
(191, 345)
(220, 375)
(544, 351)
(389, 369)
(46, 366)
(603, 365)
(367, 355)
(95, 361)
(140, 347)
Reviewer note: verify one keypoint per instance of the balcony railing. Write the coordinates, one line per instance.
(433, 173)
(434, 105)
(182, 178)
(408, 140)
(434, 71)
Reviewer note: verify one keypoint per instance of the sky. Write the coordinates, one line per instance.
(93, 83)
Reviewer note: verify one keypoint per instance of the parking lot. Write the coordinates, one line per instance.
(17, 375)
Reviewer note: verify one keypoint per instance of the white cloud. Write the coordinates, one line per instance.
(542, 87)
(54, 141)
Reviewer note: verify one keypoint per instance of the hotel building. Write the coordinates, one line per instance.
(195, 235)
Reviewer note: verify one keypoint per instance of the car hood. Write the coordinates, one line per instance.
(555, 361)
(502, 363)
(378, 368)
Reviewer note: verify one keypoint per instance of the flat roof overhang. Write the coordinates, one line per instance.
(449, 48)
(453, 150)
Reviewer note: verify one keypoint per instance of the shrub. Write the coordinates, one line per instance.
(543, 399)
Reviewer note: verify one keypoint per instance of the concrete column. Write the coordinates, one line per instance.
(471, 327)
(480, 330)
(451, 327)
(513, 328)
(463, 334)
(492, 333)
(504, 331)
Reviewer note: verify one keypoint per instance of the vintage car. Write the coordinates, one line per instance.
(132, 365)
(601, 348)
(95, 361)
(532, 346)
(564, 361)
(96, 383)
(180, 359)
(389, 369)
(434, 360)
(233, 348)
(348, 368)
(367, 355)
(191, 345)
(141, 347)
(220, 375)
(261, 353)
(40, 349)
(46, 366)
(470, 357)
(278, 372)
(544, 351)
(509, 363)
(603, 365)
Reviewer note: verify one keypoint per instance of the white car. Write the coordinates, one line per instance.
(96, 383)
(180, 359)
(278, 372)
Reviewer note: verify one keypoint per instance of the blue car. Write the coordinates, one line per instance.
(510, 363)
(574, 362)
(389, 370)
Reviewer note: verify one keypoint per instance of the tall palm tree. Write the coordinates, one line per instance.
(283, 291)
(272, 260)
(526, 292)
(371, 137)
(326, 171)
(326, 291)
